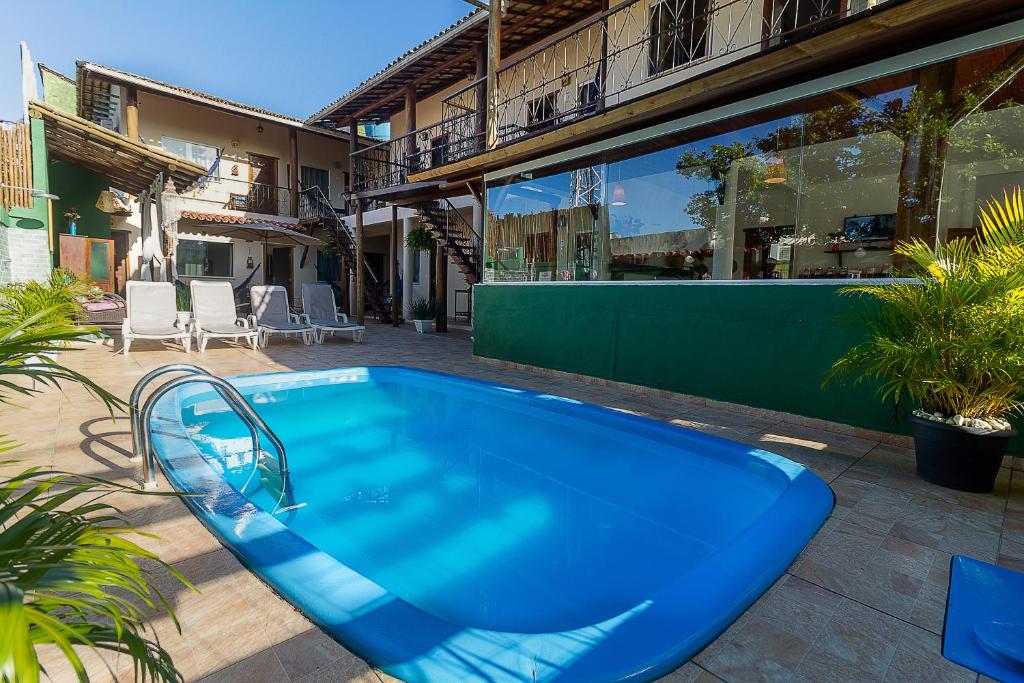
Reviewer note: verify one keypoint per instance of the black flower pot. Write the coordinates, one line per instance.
(958, 458)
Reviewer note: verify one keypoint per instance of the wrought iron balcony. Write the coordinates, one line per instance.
(628, 51)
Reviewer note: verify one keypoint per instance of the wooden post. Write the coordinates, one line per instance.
(360, 267)
(346, 297)
(410, 124)
(293, 172)
(480, 130)
(131, 118)
(353, 147)
(602, 69)
(493, 59)
(441, 291)
(393, 275)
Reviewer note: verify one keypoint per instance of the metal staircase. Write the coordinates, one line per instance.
(452, 230)
(314, 207)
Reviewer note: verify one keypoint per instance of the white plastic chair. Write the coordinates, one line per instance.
(271, 315)
(320, 309)
(214, 316)
(153, 314)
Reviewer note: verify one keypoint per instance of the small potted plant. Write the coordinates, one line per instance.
(423, 313)
(951, 343)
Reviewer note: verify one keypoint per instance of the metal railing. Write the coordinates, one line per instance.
(458, 135)
(615, 56)
(240, 195)
(227, 391)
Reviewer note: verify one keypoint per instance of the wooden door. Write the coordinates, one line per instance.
(263, 184)
(122, 271)
(90, 258)
(279, 267)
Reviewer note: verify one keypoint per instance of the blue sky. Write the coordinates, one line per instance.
(289, 57)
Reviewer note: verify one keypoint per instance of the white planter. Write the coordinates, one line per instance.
(424, 325)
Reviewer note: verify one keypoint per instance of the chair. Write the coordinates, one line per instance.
(214, 315)
(320, 309)
(271, 315)
(153, 314)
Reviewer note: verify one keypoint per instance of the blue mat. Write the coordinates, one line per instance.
(985, 619)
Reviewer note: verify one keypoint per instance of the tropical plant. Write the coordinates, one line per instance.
(423, 309)
(420, 239)
(952, 341)
(70, 575)
(60, 296)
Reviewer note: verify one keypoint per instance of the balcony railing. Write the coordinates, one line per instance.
(232, 193)
(456, 136)
(619, 55)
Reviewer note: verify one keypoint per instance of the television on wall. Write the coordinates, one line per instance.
(879, 226)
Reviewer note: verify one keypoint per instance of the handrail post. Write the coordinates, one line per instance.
(133, 402)
(235, 401)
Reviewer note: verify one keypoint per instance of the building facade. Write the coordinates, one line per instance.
(677, 191)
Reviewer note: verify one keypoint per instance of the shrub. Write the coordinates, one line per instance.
(423, 309)
(953, 341)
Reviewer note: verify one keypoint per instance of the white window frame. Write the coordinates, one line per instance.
(189, 145)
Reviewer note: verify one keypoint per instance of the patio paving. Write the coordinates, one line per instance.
(863, 602)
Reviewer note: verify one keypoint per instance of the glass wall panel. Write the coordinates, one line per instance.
(817, 189)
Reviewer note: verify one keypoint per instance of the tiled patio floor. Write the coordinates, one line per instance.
(863, 602)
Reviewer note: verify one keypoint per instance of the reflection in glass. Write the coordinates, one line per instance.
(816, 189)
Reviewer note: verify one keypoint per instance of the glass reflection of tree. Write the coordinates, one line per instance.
(923, 122)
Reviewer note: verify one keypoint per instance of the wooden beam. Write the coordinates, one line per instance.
(410, 120)
(131, 117)
(441, 288)
(493, 59)
(393, 263)
(293, 172)
(360, 267)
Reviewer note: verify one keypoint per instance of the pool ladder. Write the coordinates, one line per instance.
(142, 444)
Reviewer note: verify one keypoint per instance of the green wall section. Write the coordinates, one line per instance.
(762, 345)
(80, 189)
(59, 93)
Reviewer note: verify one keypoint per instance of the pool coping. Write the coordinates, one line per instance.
(304, 574)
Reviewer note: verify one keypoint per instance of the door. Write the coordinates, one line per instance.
(122, 245)
(279, 267)
(263, 184)
(90, 258)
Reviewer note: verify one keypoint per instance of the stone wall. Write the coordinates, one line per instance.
(24, 255)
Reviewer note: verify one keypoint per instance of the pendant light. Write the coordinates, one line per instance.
(618, 191)
(775, 166)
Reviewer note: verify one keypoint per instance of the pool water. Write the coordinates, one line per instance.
(493, 510)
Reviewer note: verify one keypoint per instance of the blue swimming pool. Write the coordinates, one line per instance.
(450, 529)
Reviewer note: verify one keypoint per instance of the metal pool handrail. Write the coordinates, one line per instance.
(234, 400)
(133, 402)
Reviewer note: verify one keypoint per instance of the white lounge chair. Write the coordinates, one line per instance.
(319, 307)
(214, 316)
(153, 314)
(272, 315)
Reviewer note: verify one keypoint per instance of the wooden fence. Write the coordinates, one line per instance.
(15, 165)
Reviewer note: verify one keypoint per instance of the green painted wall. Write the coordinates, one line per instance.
(37, 216)
(59, 93)
(80, 189)
(762, 345)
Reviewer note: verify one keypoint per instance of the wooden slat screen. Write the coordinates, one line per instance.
(15, 166)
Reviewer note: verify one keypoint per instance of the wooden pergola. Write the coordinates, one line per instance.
(130, 166)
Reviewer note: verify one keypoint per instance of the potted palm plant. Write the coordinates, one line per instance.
(423, 313)
(951, 343)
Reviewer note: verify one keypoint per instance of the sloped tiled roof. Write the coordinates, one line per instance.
(449, 57)
(88, 71)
